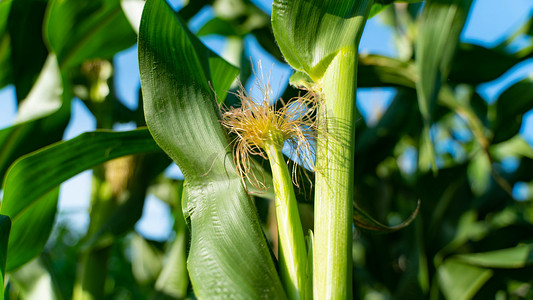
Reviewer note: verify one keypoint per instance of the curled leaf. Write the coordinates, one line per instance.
(363, 220)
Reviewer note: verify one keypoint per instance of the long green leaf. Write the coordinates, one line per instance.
(79, 30)
(440, 25)
(5, 228)
(32, 184)
(517, 257)
(228, 256)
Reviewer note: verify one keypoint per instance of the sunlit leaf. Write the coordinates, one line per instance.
(133, 10)
(515, 146)
(40, 120)
(228, 256)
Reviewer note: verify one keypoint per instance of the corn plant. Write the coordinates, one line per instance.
(251, 219)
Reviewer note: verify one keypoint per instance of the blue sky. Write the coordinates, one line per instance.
(490, 22)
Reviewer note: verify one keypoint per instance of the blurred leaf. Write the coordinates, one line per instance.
(78, 30)
(364, 220)
(510, 107)
(376, 143)
(28, 51)
(5, 228)
(376, 9)
(310, 33)
(146, 260)
(459, 281)
(440, 25)
(35, 282)
(479, 174)
(173, 280)
(475, 64)
(517, 257)
(515, 146)
(5, 45)
(45, 97)
(130, 209)
(218, 26)
(133, 10)
(376, 70)
(32, 184)
(229, 256)
(41, 119)
(192, 8)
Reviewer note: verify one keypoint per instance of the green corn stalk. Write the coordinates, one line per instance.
(332, 263)
(292, 250)
(320, 39)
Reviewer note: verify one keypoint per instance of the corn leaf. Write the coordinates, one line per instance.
(146, 259)
(228, 256)
(80, 30)
(363, 220)
(41, 118)
(459, 281)
(5, 228)
(5, 45)
(440, 25)
(28, 51)
(475, 64)
(174, 278)
(310, 33)
(517, 257)
(32, 184)
(35, 281)
(512, 104)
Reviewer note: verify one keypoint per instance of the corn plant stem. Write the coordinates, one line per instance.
(332, 249)
(292, 249)
(92, 271)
